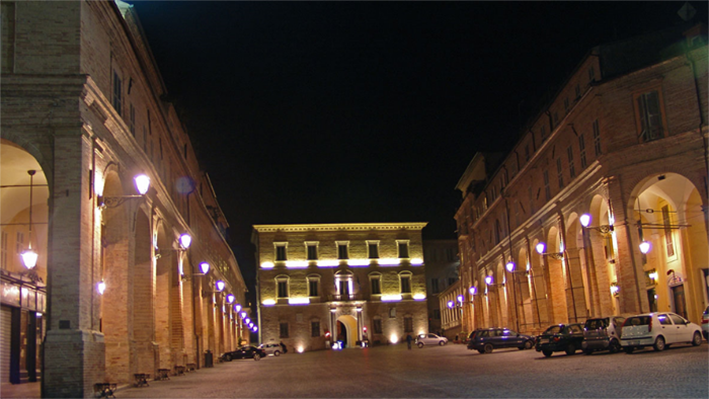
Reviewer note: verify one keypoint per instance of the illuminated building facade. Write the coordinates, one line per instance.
(115, 287)
(322, 283)
(551, 232)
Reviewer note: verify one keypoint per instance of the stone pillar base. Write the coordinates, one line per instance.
(74, 360)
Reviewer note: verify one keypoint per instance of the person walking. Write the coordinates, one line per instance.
(408, 340)
(283, 346)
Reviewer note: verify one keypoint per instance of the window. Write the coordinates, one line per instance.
(667, 222)
(281, 254)
(543, 133)
(526, 153)
(566, 105)
(434, 286)
(591, 74)
(315, 328)
(283, 330)
(596, 138)
(344, 288)
(131, 121)
(3, 258)
(547, 190)
(405, 280)
(559, 173)
(649, 116)
(375, 283)
(283, 289)
(392, 313)
(572, 167)
(312, 250)
(117, 93)
(555, 119)
(313, 287)
(582, 151)
(377, 326)
(408, 324)
(373, 249)
(403, 249)
(578, 91)
(342, 252)
(451, 281)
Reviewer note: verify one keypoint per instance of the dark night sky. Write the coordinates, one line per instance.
(317, 112)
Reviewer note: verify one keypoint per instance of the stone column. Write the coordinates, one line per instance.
(74, 352)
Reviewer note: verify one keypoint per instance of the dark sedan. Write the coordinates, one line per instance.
(484, 340)
(560, 337)
(244, 352)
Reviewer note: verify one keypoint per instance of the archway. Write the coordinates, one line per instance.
(668, 210)
(25, 214)
(346, 330)
(557, 277)
(578, 295)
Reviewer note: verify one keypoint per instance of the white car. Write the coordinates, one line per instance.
(430, 339)
(705, 323)
(658, 330)
(272, 349)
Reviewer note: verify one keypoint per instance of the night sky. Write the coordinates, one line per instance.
(326, 112)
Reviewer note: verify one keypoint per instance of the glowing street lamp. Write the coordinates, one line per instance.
(510, 266)
(645, 247)
(220, 285)
(230, 298)
(142, 183)
(185, 241)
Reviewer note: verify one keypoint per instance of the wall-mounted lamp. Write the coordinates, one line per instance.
(652, 275)
(585, 220)
(230, 298)
(333, 310)
(185, 241)
(541, 247)
(615, 289)
(510, 266)
(219, 285)
(473, 290)
(237, 307)
(101, 287)
(645, 247)
(142, 184)
(255, 329)
(243, 315)
(247, 320)
(490, 281)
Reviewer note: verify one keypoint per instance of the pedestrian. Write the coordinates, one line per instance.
(284, 347)
(408, 340)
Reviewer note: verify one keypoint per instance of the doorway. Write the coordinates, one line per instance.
(678, 296)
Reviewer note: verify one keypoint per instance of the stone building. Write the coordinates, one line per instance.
(114, 288)
(441, 259)
(321, 283)
(551, 232)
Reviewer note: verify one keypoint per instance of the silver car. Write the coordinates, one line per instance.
(658, 330)
(272, 349)
(430, 339)
(602, 333)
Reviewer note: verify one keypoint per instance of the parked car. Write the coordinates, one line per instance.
(244, 352)
(705, 323)
(430, 339)
(561, 337)
(272, 349)
(602, 333)
(484, 340)
(658, 330)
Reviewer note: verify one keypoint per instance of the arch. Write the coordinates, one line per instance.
(557, 277)
(349, 324)
(670, 210)
(578, 277)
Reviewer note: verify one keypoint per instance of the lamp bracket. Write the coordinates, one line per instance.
(113, 202)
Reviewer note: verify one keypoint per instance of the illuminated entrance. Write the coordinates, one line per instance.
(346, 331)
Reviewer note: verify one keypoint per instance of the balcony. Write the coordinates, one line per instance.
(344, 297)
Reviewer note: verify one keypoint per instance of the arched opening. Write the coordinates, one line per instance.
(557, 276)
(346, 331)
(143, 301)
(24, 217)
(538, 284)
(577, 272)
(668, 211)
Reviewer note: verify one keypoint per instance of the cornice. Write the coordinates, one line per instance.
(290, 228)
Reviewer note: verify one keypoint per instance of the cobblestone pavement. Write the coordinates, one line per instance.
(449, 371)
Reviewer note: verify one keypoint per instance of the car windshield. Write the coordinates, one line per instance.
(593, 324)
(638, 321)
(553, 330)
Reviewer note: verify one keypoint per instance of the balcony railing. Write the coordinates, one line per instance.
(345, 297)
